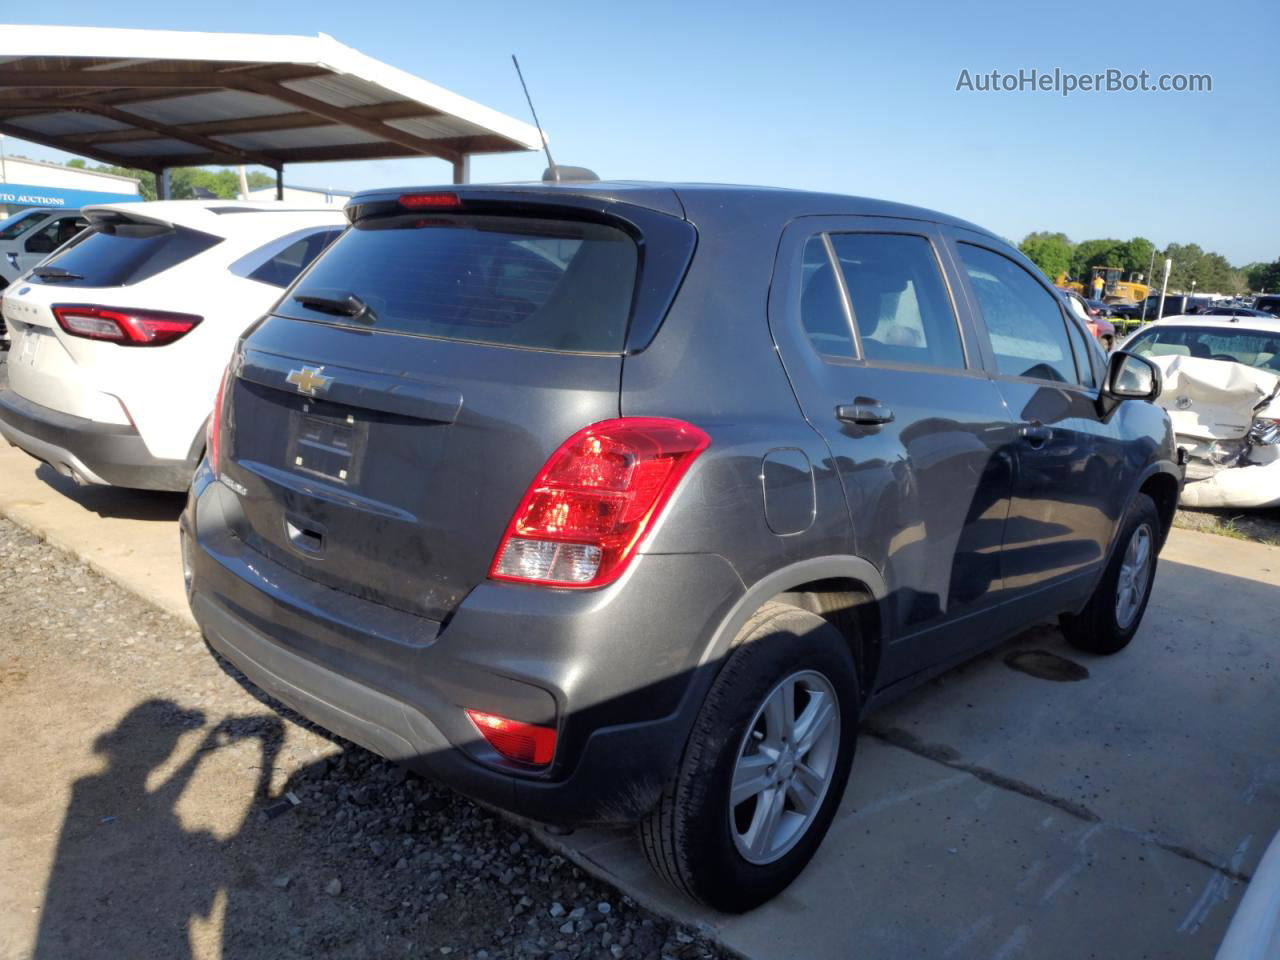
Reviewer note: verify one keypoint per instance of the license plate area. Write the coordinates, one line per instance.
(28, 346)
(328, 444)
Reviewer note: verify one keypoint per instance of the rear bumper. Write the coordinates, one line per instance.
(85, 450)
(611, 670)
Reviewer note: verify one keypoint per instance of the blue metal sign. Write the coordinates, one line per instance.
(25, 195)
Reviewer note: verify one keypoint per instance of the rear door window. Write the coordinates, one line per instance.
(546, 284)
(1024, 320)
(900, 306)
(822, 311)
(117, 254)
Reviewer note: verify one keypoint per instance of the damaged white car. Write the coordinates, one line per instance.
(1222, 391)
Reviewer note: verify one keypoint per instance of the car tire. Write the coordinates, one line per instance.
(1114, 612)
(734, 858)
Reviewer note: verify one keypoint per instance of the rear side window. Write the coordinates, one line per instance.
(538, 283)
(117, 254)
(284, 268)
(1028, 331)
(900, 306)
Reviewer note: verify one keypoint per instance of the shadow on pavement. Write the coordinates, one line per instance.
(116, 502)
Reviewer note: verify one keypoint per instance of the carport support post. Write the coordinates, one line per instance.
(279, 183)
(162, 185)
(462, 169)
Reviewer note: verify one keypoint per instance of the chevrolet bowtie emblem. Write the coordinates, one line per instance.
(308, 380)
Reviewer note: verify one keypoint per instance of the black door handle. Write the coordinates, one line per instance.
(864, 411)
(1036, 434)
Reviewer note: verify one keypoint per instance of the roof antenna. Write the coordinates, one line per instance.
(552, 172)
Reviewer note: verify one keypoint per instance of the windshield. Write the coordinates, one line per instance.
(544, 284)
(1254, 348)
(20, 223)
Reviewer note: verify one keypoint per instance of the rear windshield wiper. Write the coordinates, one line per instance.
(341, 302)
(55, 273)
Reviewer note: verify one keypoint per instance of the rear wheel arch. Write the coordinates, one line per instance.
(850, 606)
(844, 590)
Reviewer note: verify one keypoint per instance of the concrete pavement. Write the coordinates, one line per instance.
(1114, 811)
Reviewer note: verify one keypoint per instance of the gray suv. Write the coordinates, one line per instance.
(626, 502)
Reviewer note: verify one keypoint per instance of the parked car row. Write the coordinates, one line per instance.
(606, 502)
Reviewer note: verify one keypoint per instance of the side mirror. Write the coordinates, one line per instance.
(1131, 377)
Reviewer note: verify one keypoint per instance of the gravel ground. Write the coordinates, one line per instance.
(156, 807)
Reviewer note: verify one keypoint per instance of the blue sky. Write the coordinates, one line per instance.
(850, 97)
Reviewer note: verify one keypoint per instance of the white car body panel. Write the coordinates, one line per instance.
(1254, 933)
(166, 391)
(1213, 404)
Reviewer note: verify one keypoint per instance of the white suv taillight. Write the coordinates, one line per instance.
(129, 328)
(590, 506)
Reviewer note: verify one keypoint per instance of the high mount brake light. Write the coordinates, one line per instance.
(128, 328)
(590, 506)
(524, 742)
(430, 201)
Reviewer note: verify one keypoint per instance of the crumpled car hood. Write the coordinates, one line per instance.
(1215, 399)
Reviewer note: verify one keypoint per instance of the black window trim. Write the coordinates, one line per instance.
(860, 359)
(981, 322)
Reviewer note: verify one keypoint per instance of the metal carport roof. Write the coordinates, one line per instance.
(156, 99)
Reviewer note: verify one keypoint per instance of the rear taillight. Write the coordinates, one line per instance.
(524, 742)
(129, 328)
(213, 443)
(590, 506)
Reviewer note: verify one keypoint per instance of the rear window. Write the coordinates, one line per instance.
(1269, 304)
(117, 254)
(1253, 348)
(542, 284)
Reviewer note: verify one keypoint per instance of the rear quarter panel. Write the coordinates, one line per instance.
(714, 364)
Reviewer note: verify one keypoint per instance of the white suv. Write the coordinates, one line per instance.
(120, 338)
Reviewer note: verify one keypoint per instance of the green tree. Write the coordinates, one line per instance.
(1135, 257)
(1096, 253)
(1186, 259)
(1051, 252)
(1265, 276)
